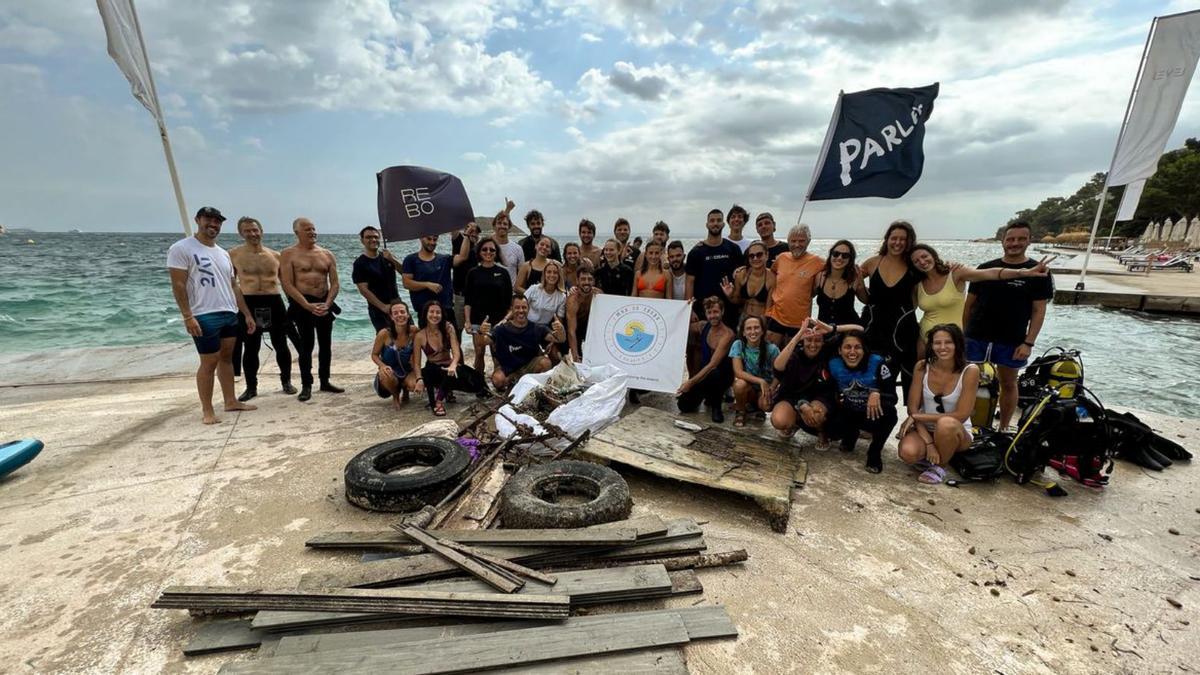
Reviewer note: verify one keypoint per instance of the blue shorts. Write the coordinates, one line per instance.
(979, 351)
(214, 327)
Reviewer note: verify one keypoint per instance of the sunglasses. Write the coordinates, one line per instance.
(487, 250)
(760, 254)
(844, 255)
(937, 399)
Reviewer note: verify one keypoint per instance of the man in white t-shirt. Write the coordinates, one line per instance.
(209, 300)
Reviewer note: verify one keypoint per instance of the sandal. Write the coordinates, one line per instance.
(934, 475)
(739, 418)
(439, 408)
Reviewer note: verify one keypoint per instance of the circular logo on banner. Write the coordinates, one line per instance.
(636, 334)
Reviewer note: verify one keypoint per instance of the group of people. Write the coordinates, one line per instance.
(755, 339)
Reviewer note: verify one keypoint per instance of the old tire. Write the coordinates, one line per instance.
(370, 485)
(531, 497)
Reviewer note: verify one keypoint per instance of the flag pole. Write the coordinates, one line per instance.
(1087, 255)
(162, 126)
(812, 183)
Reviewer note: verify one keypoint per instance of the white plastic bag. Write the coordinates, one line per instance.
(595, 409)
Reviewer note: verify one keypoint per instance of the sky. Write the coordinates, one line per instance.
(643, 109)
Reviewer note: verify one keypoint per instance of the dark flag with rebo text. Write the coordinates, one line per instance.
(415, 202)
(874, 147)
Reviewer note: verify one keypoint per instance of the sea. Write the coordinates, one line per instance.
(70, 290)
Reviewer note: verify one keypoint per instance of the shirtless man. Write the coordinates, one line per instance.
(309, 276)
(256, 269)
(209, 301)
(579, 308)
(587, 249)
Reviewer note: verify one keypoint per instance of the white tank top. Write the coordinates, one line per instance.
(680, 284)
(949, 401)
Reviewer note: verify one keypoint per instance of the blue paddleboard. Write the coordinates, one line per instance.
(16, 454)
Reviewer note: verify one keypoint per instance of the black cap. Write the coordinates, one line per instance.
(211, 213)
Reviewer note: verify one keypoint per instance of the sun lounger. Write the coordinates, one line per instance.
(1178, 263)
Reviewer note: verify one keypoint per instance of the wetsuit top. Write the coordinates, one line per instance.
(945, 306)
(893, 326)
(929, 404)
(805, 377)
(660, 286)
(761, 296)
(854, 386)
(836, 310)
(615, 280)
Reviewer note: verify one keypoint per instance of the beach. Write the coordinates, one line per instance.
(875, 573)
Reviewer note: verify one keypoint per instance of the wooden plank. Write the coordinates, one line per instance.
(476, 569)
(668, 661)
(472, 508)
(760, 468)
(701, 622)
(502, 563)
(569, 537)
(604, 635)
(391, 601)
(223, 635)
(582, 587)
(427, 566)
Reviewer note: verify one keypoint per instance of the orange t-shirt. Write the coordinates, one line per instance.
(791, 301)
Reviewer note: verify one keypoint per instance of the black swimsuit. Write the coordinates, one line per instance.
(836, 310)
(761, 296)
(891, 319)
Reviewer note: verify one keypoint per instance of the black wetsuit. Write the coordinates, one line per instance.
(892, 326)
(313, 330)
(271, 317)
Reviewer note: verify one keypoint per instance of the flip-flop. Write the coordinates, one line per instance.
(934, 475)
(921, 465)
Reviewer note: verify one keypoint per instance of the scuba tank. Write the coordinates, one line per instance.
(983, 416)
(1057, 369)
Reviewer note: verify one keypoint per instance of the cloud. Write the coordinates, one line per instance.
(275, 55)
(511, 144)
(643, 83)
(590, 37)
(474, 156)
(253, 142)
(34, 40)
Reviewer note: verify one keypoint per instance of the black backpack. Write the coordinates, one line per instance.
(984, 459)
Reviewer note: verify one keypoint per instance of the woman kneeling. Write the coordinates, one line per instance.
(443, 372)
(866, 397)
(939, 424)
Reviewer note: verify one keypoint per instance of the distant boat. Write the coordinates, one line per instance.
(3, 230)
(74, 231)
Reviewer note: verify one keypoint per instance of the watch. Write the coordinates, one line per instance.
(1028, 344)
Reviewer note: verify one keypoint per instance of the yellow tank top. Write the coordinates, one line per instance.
(945, 306)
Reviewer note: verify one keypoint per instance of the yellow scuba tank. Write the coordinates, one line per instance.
(983, 416)
(1065, 375)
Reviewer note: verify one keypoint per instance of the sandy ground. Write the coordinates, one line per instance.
(875, 574)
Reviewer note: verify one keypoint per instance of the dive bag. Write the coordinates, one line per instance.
(984, 459)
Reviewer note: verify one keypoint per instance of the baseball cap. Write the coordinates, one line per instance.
(210, 212)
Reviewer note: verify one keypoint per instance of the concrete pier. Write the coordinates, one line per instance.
(877, 573)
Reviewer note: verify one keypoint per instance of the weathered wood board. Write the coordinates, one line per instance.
(763, 469)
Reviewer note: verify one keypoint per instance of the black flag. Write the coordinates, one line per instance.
(415, 201)
(875, 145)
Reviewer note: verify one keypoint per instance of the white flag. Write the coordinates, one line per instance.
(645, 338)
(126, 48)
(1170, 64)
(1130, 199)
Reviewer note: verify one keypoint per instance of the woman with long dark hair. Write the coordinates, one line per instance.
(837, 285)
(865, 391)
(753, 368)
(940, 402)
(530, 272)
(571, 256)
(753, 283)
(487, 295)
(392, 354)
(890, 296)
(443, 371)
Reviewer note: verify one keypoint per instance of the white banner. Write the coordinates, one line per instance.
(126, 48)
(1130, 199)
(643, 337)
(1170, 64)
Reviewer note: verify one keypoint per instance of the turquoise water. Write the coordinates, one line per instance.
(78, 290)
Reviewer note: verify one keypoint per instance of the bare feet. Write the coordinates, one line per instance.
(211, 418)
(238, 405)
(396, 404)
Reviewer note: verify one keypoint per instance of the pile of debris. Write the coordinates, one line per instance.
(524, 604)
